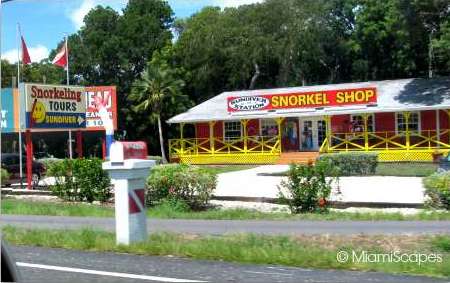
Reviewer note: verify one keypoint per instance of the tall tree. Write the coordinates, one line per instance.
(157, 83)
(112, 49)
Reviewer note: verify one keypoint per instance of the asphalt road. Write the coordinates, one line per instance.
(39, 264)
(219, 227)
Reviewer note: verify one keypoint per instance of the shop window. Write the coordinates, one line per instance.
(232, 130)
(269, 127)
(413, 125)
(357, 123)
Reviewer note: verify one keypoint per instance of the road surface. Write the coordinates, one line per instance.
(39, 264)
(220, 227)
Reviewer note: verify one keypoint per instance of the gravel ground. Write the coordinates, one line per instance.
(258, 206)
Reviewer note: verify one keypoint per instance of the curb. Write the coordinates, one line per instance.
(333, 204)
(26, 192)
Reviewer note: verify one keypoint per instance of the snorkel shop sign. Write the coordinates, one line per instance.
(303, 99)
(50, 106)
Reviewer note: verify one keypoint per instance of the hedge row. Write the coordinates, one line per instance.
(351, 163)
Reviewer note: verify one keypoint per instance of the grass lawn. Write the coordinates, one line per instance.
(300, 251)
(406, 169)
(22, 207)
(412, 169)
(218, 169)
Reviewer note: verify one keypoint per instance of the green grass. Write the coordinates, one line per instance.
(307, 252)
(23, 207)
(406, 169)
(218, 169)
(410, 169)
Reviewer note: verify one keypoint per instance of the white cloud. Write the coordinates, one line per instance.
(77, 15)
(235, 3)
(37, 53)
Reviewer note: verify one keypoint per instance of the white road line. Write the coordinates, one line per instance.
(268, 273)
(106, 273)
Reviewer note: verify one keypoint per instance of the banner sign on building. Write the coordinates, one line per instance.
(108, 95)
(303, 99)
(54, 107)
(7, 112)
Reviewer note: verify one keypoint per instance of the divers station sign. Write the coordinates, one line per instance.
(311, 99)
(54, 107)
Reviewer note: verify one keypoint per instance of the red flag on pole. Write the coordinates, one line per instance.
(25, 55)
(61, 57)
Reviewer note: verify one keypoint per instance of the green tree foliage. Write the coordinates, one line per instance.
(295, 42)
(113, 49)
(275, 43)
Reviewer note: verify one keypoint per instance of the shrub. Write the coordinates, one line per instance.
(352, 163)
(80, 180)
(48, 163)
(308, 187)
(189, 184)
(437, 189)
(4, 175)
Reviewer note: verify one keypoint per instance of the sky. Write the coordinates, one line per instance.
(45, 22)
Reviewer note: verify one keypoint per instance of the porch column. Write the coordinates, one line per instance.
(328, 131)
(438, 127)
(29, 165)
(366, 135)
(244, 127)
(181, 137)
(279, 120)
(211, 136)
(407, 134)
(79, 138)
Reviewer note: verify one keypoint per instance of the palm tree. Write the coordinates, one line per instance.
(157, 83)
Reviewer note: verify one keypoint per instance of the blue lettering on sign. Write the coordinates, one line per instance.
(56, 120)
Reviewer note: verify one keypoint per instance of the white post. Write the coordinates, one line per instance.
(1, 115)
(19, 48)
(68, 83)
(128, 177)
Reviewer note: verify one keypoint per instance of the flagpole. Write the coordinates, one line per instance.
(20, 122)
(1, 115)
(68, 83)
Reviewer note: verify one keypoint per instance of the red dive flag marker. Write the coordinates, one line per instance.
(61, 57)
(25, 55)
(136, 201)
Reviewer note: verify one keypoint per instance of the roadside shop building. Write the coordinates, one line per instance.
(402, 120)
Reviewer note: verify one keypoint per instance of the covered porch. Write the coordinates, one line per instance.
(408, 136)
(402, 120)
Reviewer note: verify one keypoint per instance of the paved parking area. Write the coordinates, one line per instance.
(248, 183)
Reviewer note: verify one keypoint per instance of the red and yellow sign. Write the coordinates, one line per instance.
(107, 94)
(311, 99)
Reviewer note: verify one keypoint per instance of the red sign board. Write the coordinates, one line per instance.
(311, 99)
(108, 95)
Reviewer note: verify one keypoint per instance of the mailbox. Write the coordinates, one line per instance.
(121, 151)
(129, 168)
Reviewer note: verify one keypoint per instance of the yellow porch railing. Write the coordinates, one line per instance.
(392, 146)
(249, 149)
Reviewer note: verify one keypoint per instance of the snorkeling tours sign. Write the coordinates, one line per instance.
(54, 106)
(303, 99)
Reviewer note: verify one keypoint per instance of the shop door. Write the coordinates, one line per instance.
(312, 133)
(290, 135)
